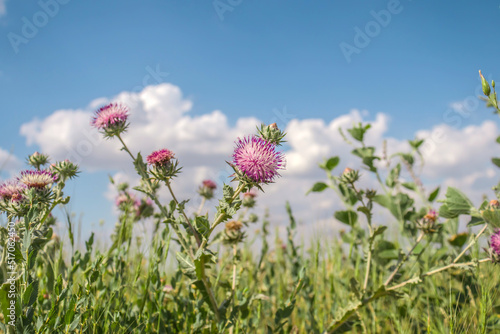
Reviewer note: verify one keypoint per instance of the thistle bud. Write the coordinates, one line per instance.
(207, 189)
(486, 86)
(38, 160)
(65, 169)
(349, 176)
(271, 133)
(249, 199)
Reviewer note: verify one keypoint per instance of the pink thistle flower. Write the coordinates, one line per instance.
(431, 216)
(126, 198)
(37, 178)
(12, 190)
(160, 158)
(495, 242)
(209, 184)
(249, 194)
(258, 159)
(110, 116)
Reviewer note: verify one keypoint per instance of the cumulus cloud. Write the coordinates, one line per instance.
(9, 163)
(160, 117)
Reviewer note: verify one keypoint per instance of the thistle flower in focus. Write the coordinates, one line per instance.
(207, 188)
(163, 164)
(38, 179)
(37, 160)
(256, 160)
(111, 119)
(12, 191)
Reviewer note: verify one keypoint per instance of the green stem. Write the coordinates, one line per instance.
(180, 237)
(435, 271)
(473, 241)
(203, 200)
(195, 233)
(403, 260)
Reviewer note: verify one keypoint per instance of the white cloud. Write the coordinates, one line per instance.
(160, 118)
(9, 163)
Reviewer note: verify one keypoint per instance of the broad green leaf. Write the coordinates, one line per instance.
(330, 164)
(318, 187)
(358, 132)
(433, 195)
(492, 217)
(202, 225)
(455, 204)
(496, 161)
(347, 217)
(409, 185)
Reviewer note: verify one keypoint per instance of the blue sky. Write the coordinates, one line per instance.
(250, 59)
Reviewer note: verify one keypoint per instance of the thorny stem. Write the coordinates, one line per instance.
(470, 244)
(375, 296)
(160, 206)
(369, 219)
(416, 179)
(404, 259)
(219, 219)
(233, 287)
(180, 237)
(435, 271)
(195, 233)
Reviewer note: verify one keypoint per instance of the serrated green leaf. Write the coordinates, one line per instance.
(455, 204)
(492, 217)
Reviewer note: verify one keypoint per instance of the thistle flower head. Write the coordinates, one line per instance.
(431, 216)
(233, 233)
(126, 198)
(234, 226)
(163, 164)
(12, 191)
(37, 178)
(494, 204)
(258, 159)
(160, 158)
(112, 119)
(495, 243)
(249, 199)
(209, 184)
(207, 188)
